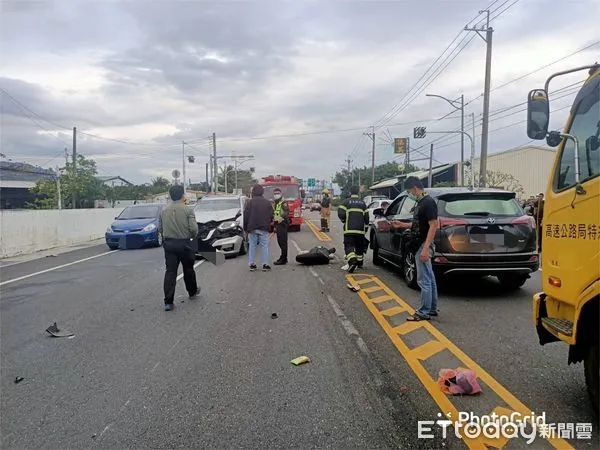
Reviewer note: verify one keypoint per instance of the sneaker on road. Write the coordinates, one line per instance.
(196, 294)
(169, 306)
(280, 262)
(253, 267)
(266, 267)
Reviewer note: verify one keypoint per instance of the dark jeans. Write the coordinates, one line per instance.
(179, 251)
(354, 248)
(282, 239)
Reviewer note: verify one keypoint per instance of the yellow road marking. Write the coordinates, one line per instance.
(317, 232)
(437, 343)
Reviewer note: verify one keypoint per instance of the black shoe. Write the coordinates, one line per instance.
(253, 267)
(196, 294)
(280, 262)
(352, 268)
(266, 267)
(169, 306)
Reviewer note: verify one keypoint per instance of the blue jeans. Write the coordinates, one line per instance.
(258, 238)
(426, 281)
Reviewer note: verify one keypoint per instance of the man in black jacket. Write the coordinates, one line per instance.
(258, 216)
(355, 217)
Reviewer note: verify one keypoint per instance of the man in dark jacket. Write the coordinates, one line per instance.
(281, 214)
(179, 231)
(258, 216)
(355, 217)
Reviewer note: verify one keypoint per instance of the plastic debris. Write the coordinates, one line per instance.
(18, 380)
(56, 332)
(300, 360)
(274, 316)
(352, 287)
(404, 388)
(458, 382)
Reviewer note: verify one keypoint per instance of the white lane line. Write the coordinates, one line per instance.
(154, 368)
(296, 245)
(24, 277)
(180, 276)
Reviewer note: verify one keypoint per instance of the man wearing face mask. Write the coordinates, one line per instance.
(423, 228)
(280, 215)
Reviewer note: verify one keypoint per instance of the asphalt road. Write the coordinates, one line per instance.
(216, 371)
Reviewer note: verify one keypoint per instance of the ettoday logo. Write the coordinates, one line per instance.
(492, 426)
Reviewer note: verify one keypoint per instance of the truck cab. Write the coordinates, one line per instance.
(293, 195)
(567, 308)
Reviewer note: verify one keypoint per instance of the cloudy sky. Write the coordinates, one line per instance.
(294, 83)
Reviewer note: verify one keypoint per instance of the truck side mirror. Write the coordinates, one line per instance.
(302, 193)
(538, 114)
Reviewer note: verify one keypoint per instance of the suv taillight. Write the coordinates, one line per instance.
(524, 220)
(450, 222)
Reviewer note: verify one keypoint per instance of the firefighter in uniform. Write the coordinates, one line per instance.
(281, 216)
(355, 217)
(325, 210)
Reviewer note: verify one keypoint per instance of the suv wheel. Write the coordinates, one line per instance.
(592, 375)
(377, 261)
(512, 280)
(409, 269)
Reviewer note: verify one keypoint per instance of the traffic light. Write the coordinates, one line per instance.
(419, 132)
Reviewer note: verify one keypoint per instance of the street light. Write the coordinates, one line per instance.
(460, 108)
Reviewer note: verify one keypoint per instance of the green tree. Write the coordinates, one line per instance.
(84, 183)
(160, 185)
(365, 175)
(245, 179)
(497, 179)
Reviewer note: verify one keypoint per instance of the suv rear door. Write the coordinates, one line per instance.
(484, 222)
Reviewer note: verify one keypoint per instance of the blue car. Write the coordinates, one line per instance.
(138, 224)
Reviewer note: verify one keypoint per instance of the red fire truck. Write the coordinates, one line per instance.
(292, 194)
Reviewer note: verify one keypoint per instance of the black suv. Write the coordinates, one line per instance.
(481, 232)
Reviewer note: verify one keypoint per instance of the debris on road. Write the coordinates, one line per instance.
(274, 316)
(404, 388)
(300, 360)
(458, 382)
(316, 256)
(18, 380)
(56, 332)
(352, 287)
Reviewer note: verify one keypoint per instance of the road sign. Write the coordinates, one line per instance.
(400, 145)
(311, 182)
(175, 173)
(419, 132)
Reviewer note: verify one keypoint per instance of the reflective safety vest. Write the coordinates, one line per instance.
(278, 208)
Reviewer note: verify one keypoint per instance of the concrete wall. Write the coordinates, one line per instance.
(23, 232)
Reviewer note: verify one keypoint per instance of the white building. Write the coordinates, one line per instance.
(530, 166)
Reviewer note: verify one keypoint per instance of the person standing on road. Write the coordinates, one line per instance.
(423, 228)
(355, 217)
(325, 210)
(281, 214)
(179, 231)
(258, 216)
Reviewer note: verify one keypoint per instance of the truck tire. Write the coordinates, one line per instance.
(592, 374)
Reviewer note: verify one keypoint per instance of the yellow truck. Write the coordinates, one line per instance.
(567, 308)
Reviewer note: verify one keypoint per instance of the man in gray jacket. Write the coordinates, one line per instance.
(179, 231)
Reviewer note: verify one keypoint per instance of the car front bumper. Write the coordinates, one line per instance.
(482, 264)
(229, 246)
(147, 237)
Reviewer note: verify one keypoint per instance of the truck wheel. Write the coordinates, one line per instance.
(512, 280)
(592, 375)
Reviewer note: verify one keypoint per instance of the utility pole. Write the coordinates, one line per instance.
(372, 136)
(216, 167)
(486, 97)
(430, 176)
(74, 167)
(207, 177)
(211, 167)
(225, 173)
(58, 192)
(183, 161)
(473, 152)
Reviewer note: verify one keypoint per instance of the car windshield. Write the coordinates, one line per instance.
(480, 206)
(290, 192)
(220, 204)
(139, 212)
